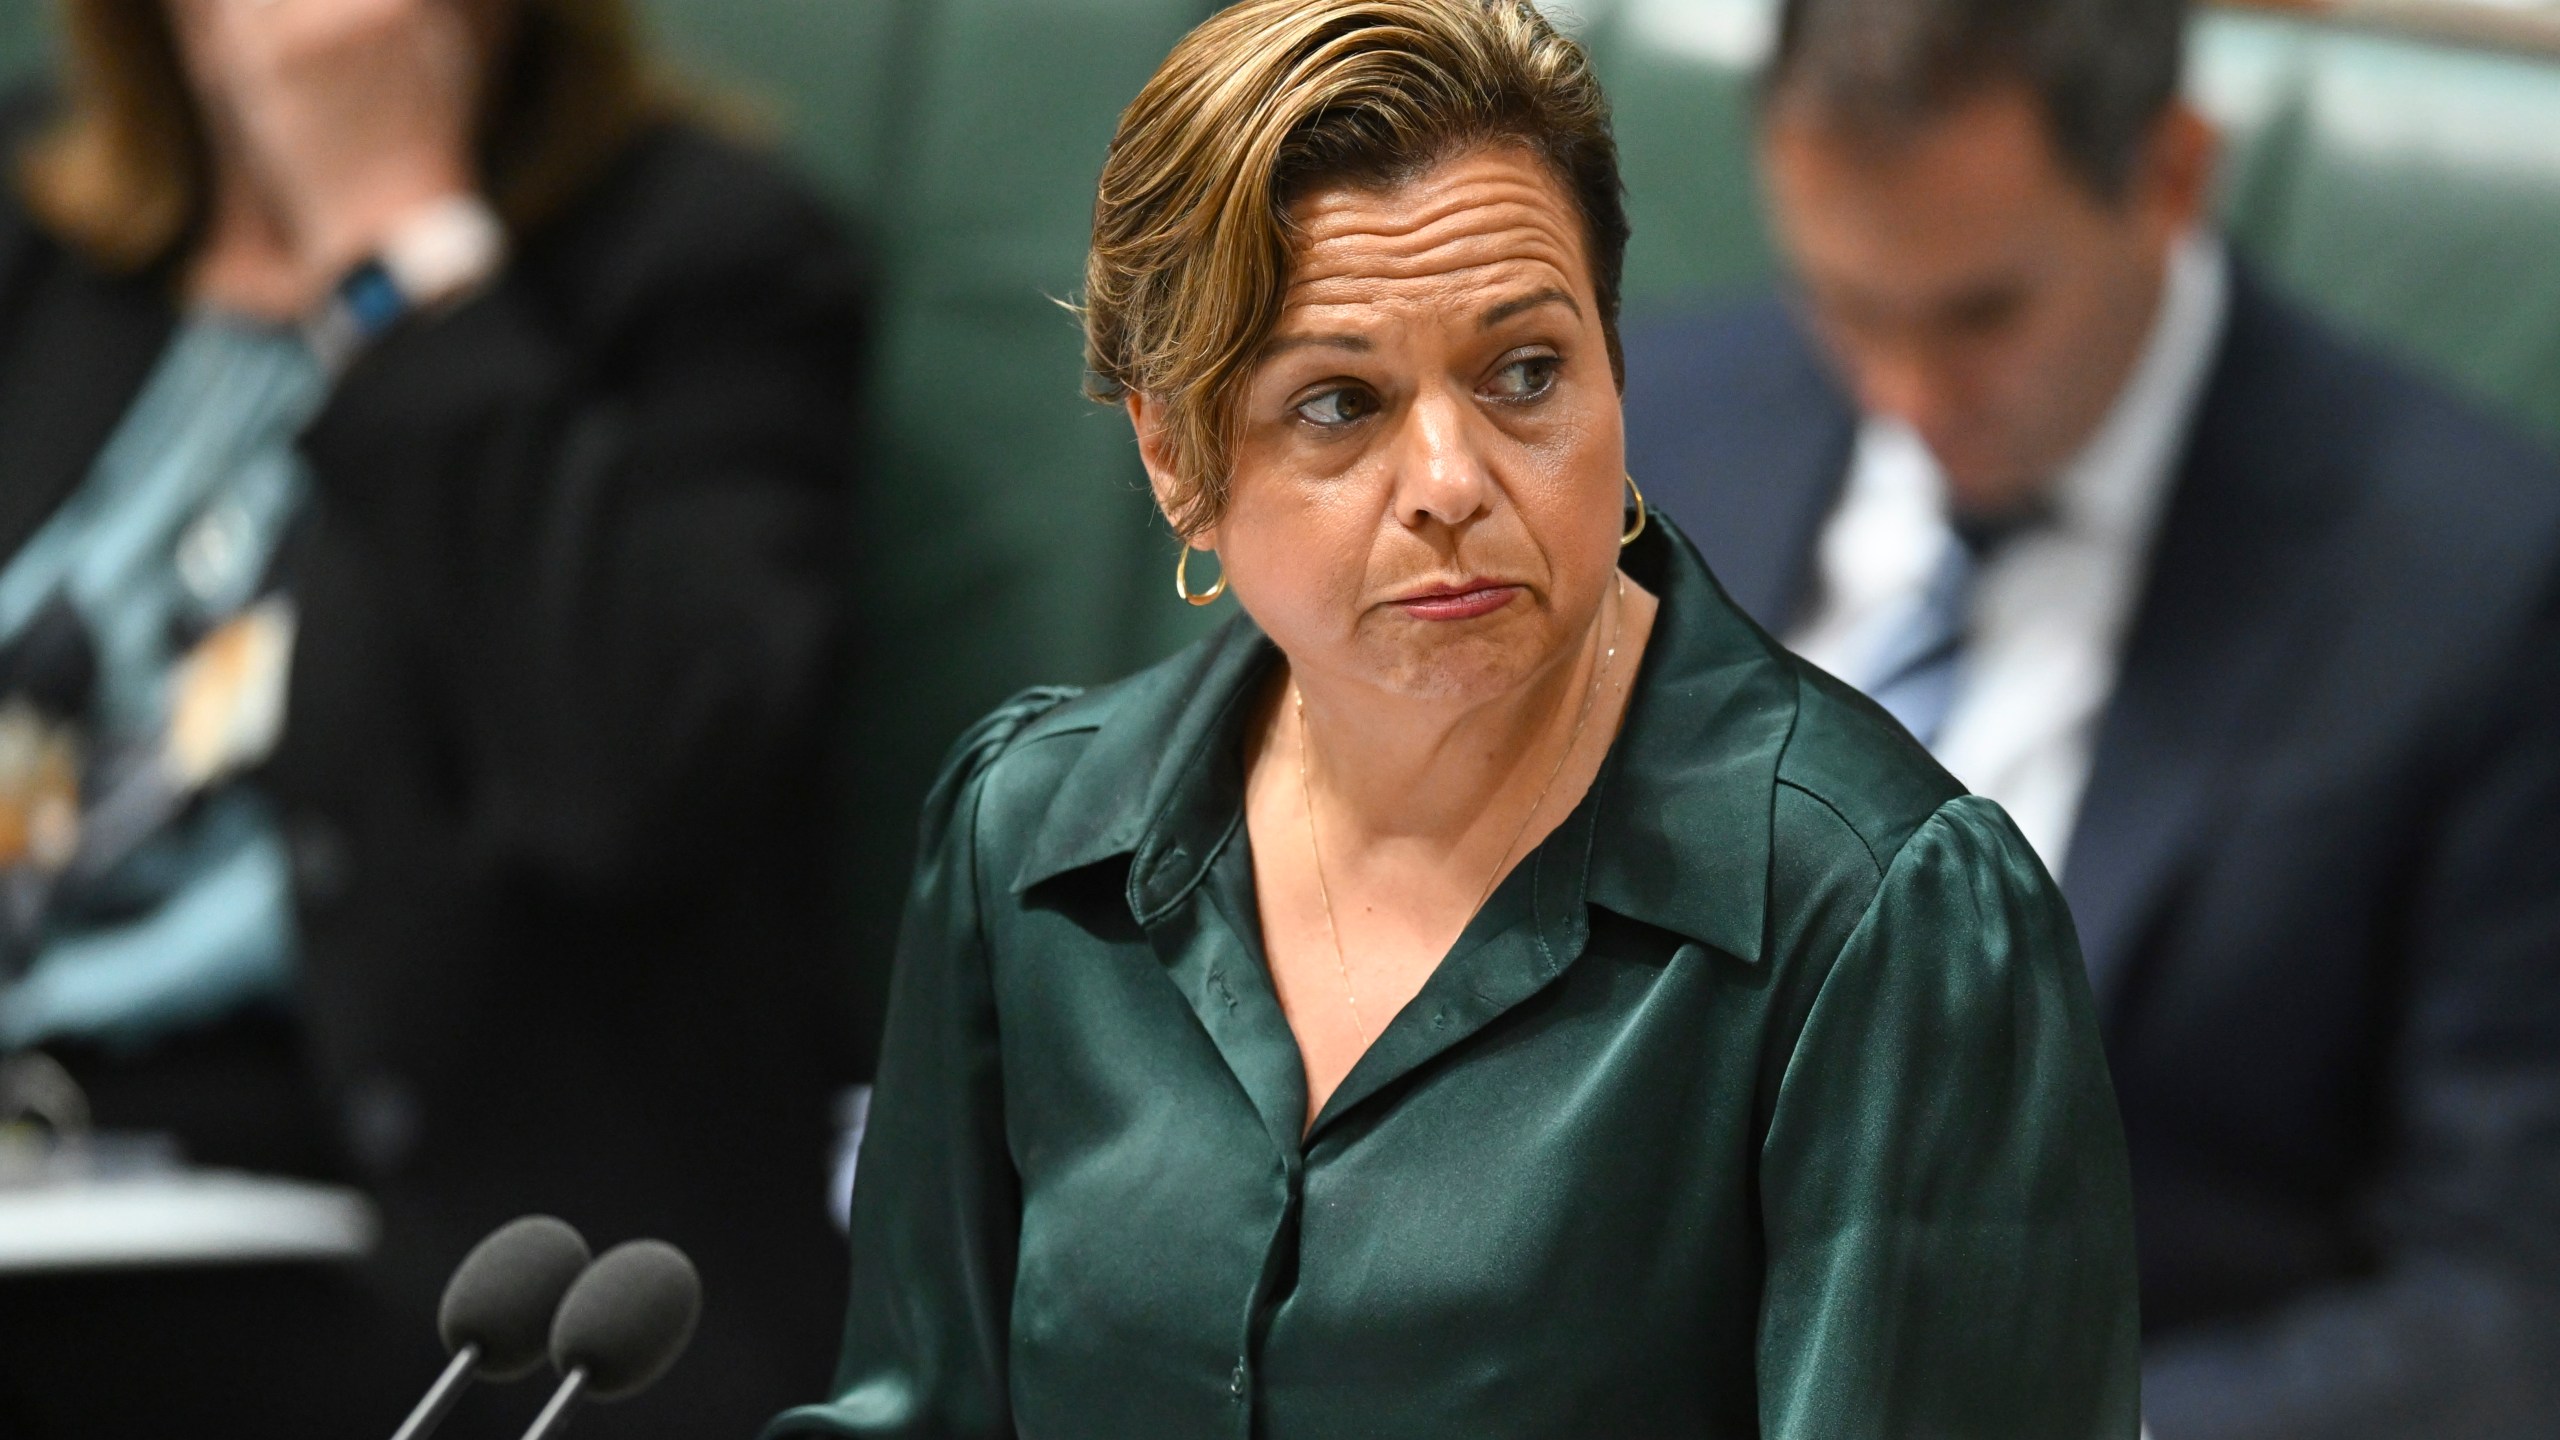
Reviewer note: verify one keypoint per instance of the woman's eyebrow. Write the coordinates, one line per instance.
(1282, 344)
(1360, 344)
(1526, 303)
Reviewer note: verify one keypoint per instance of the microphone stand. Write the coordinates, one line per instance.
(441, 1396)
(555, 1416)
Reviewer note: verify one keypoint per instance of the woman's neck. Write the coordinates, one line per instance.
(1395, 769)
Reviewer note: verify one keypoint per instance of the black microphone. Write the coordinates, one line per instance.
(620, 1327)
(497, 1310)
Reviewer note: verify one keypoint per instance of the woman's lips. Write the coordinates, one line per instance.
(1462, 602)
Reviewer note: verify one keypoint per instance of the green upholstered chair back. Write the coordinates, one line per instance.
(2409, 190)
(25, 36)
(1010, 540)
(1013, 539)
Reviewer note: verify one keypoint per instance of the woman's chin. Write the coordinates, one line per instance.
(1466, 669)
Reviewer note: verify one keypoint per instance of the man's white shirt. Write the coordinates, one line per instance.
(2051, 606)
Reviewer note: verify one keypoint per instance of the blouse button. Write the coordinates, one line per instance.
(1235, 1382)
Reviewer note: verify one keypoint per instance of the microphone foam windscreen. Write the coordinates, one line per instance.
(627, 1318)
(504, 1293)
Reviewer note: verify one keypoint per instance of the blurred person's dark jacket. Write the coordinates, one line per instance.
(554, 777)
(2316, 871)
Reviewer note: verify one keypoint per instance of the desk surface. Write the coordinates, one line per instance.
(195, 1217)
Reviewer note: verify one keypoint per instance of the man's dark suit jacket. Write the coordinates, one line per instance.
(551, 775)
(2316, 872)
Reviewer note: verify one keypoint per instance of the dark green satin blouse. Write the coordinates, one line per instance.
(1763, 1099)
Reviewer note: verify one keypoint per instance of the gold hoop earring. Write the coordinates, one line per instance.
(1638, 528)
(1182, 581)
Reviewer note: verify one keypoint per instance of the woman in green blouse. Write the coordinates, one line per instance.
(1489, 989)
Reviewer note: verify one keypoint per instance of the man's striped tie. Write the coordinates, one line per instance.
(1916, 671)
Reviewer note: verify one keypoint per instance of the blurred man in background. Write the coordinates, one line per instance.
(424, 457)
(2256, 636)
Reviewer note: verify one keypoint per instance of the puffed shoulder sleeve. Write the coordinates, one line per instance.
(1943, 1178)
(936, 1205)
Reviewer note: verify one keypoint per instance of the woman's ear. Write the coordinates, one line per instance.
(1147, 419)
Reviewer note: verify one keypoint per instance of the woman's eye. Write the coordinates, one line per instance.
(1338, 407)
(1525, 379)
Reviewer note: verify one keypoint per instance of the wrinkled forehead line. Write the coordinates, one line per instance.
(1505, 207)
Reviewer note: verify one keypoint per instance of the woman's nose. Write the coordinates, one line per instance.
(1441, 474)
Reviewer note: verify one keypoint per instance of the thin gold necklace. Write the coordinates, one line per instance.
(1315, 851)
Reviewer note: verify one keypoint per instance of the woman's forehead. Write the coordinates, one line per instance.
(1486, 219)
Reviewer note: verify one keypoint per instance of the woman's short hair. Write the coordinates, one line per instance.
(1267, 102)
(122, 178)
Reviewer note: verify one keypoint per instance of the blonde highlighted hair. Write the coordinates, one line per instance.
(122, 176)
(1266, 102)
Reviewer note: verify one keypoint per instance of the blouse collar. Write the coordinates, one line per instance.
(1675, 832)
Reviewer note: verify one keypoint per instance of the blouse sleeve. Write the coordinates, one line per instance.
(1943, 1184)
(936, 1205)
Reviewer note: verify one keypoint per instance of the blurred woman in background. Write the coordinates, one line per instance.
(422, 460)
